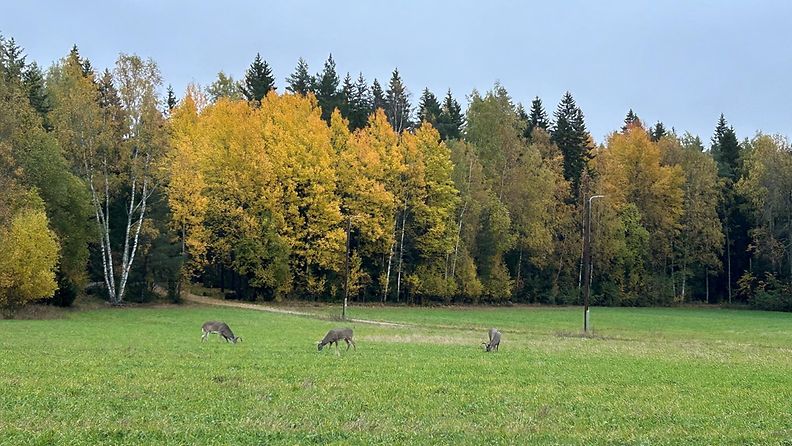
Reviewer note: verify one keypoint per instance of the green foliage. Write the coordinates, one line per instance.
(171, 100)
(258, 80)
(631, 120)
(377, 96)
(726, 150)
(537, 119)
(223, 87)
(429, 108)
(326, 89)
(766, 186)
(39, 164)
(451, 120)
(361, 104)
(657, 132)
(397, 103)
(300, 82)
(570, 135)
(346, 95)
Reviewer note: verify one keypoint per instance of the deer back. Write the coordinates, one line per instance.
(337, 334)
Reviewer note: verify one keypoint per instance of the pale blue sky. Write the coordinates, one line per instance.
(682, 62)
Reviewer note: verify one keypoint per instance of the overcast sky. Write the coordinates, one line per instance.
(682, 62)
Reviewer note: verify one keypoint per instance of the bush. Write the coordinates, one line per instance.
(771, 294)
(30, 258)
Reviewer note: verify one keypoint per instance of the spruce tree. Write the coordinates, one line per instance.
(87, 68)
(360, 104)
(537, 118)
(429, 108)
(13, 60)
(33, 79)
(631, 120)
(726, 150)
(657, 132)
(451, 120)
(397, 103)
(171, 101)
(571, 137)
(377, 95)
(326, 89)
(110, 103)
(346, 96)
(258, 80)
(300, 82)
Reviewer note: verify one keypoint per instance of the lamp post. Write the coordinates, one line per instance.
(587, 264)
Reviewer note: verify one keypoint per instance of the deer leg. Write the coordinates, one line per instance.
(338, 352)
(203, 336)
(353, 344)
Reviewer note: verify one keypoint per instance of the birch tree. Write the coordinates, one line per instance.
(114, 137)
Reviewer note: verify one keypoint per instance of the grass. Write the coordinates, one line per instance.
(650, 376)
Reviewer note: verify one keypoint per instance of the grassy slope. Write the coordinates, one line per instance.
(141, 376)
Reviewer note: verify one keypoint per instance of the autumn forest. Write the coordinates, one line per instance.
(326, 184)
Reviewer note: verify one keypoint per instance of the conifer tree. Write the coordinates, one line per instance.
(451, 119)
(361, 104)
(726, 150)
(377, 96)
(13, 58)
(345, 97)
(300, 82)
(33, 80)
(171, 101)
(258, 80)
(397, 103)
(429, 108)
(537, 118)
(326, 89)
(570, 135)
(657, 132)
(87, 68)
(630, 121)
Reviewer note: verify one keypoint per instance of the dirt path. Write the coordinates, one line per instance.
(189, 297)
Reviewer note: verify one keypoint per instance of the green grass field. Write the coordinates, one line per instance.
(649, 376)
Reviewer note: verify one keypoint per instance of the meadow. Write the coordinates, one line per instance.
(141, 375)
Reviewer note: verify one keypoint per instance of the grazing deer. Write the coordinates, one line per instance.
(494, 340)
(336, 335)
(220, 328)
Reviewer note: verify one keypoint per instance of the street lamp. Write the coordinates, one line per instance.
(587, 264)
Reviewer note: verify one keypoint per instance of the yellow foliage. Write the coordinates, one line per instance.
(631, 173)
(30, 257)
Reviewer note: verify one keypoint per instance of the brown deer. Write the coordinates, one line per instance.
(335, 335)
(494, 340)
(220, 328)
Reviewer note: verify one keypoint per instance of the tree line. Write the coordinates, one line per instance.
(335, 186)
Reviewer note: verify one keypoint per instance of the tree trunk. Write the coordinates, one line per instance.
(728, 261)
(519, 269)
(673, 278)
(401, 252)
(390, 261)
(706, 280)
(461, 216)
